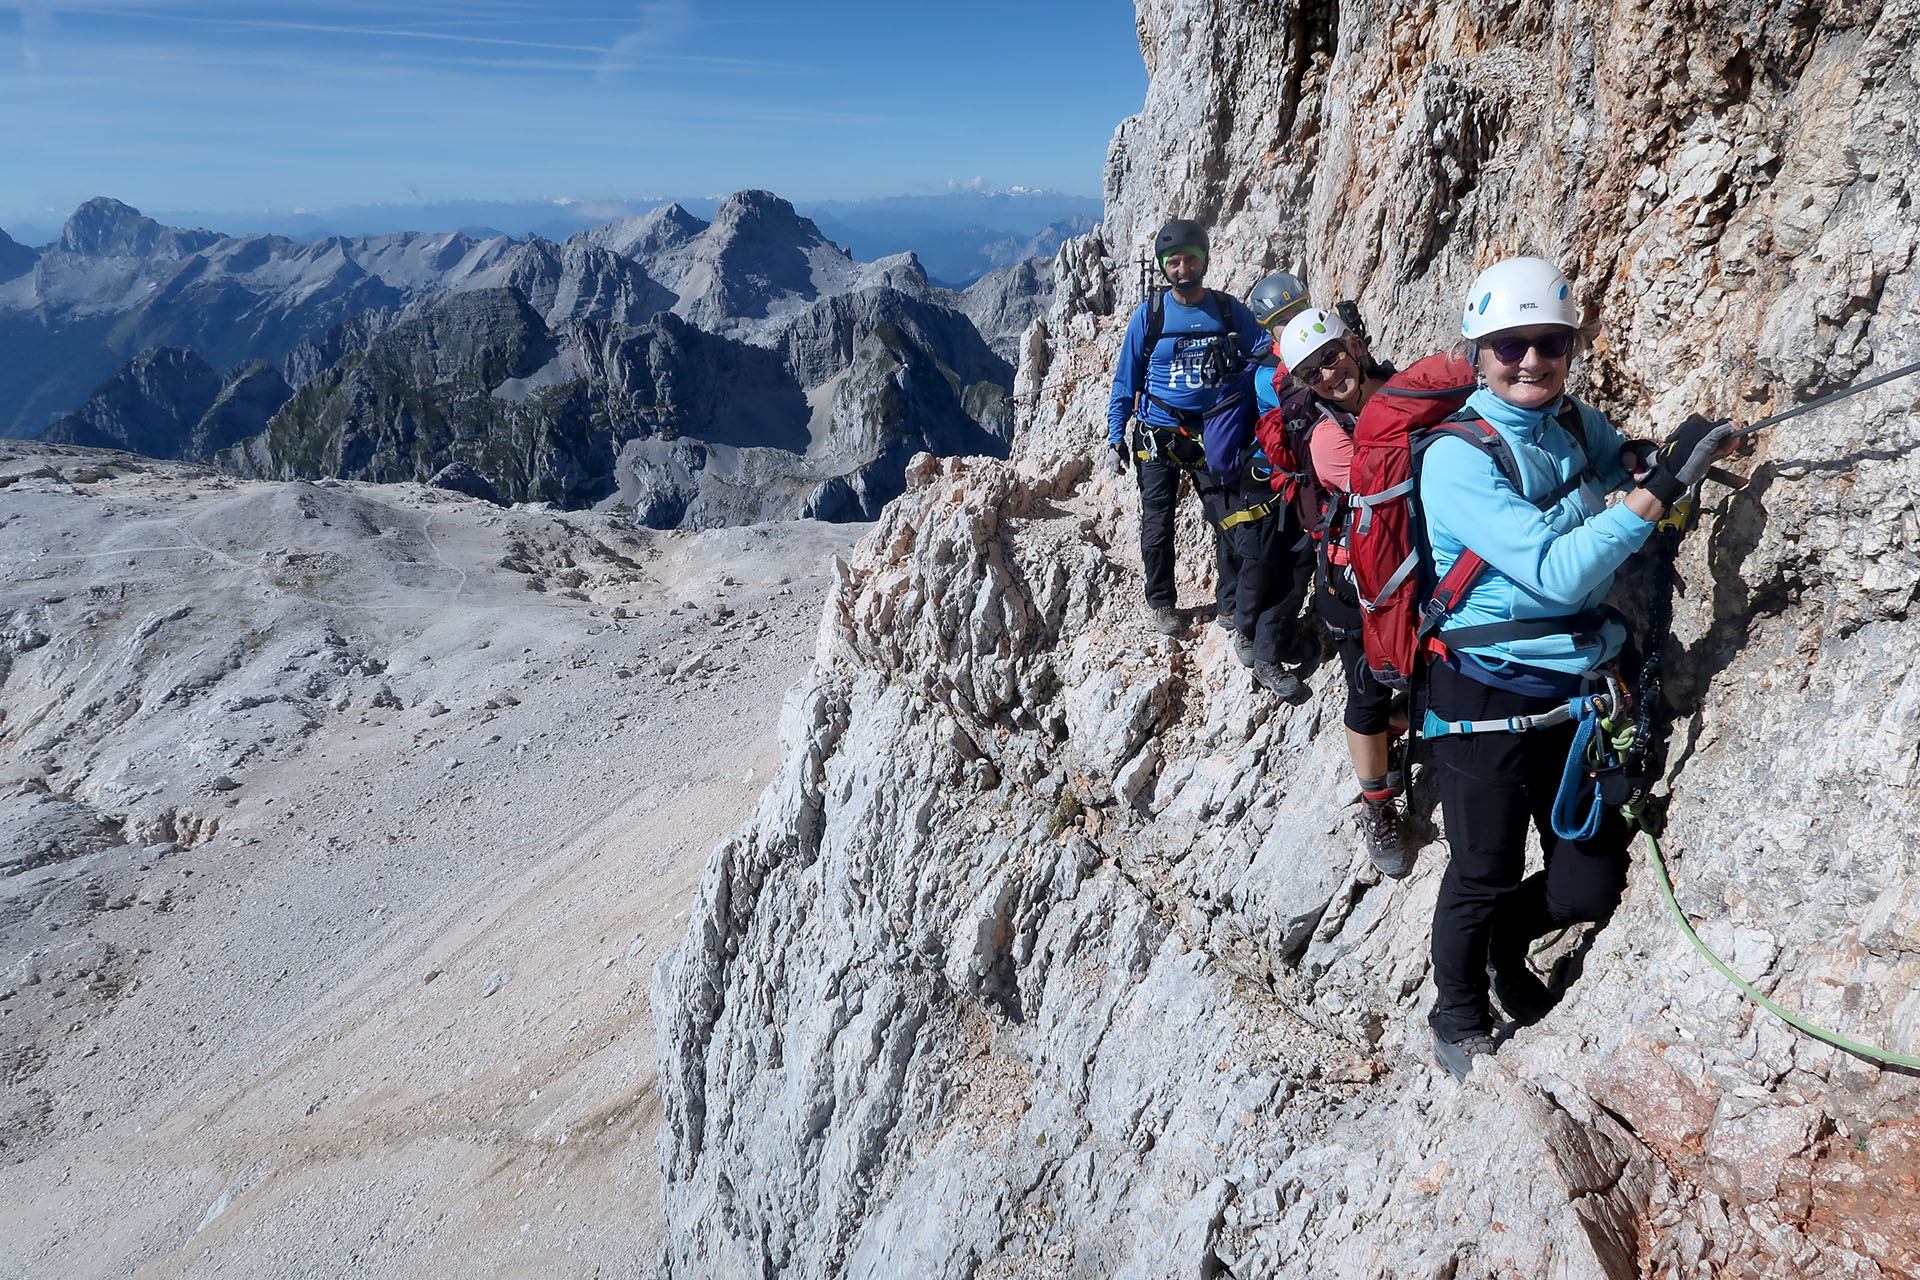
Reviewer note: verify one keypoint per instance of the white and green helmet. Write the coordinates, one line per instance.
(1306, 333)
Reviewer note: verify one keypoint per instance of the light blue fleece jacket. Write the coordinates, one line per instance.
(1540, 564)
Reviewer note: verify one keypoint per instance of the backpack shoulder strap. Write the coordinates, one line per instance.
(1156, 320)
(1467, 425)
(1475, 430)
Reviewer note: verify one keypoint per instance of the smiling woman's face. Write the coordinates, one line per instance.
(1534, 381)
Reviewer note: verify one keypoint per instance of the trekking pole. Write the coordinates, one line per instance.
(1830, 398)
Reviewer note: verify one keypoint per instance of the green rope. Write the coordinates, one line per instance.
(1817, 1032)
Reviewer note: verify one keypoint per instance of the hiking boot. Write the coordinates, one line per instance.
(1243, 648)
(1223, 619)
(1166, 621)
(1457, 1055)
(1524, 997)
(1276, 679)
(1386, 844)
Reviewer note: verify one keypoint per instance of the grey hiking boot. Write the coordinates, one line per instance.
(1457, 1055)
(1276, 679)
(1386, 844)
(1166, 621)
(1223, 620)
(1243, 648)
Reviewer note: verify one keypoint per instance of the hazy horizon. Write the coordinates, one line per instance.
(195, 105)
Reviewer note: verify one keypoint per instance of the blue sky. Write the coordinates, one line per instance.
(217, 104)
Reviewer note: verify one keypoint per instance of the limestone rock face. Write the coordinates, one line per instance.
(1054, 948)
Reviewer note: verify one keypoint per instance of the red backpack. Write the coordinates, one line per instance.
(1402, 607)
(1283, 432)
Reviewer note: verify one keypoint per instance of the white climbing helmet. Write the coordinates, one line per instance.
(1519, 291)
(1306, 333)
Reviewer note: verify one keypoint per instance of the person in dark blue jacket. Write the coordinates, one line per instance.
(1168, 383)
(1551, 545)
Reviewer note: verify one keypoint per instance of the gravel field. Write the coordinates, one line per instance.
(341, 828)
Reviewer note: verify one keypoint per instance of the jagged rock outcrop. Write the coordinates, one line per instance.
(15, 258)
(1003, 303)
(148, 407)
(167, 403)
(1054, 950)
(683, 426)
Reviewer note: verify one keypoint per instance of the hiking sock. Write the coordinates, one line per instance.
(1375, 790)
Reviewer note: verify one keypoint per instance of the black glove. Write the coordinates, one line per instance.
(1638, 456)
(1223, 362)
(1684, 461)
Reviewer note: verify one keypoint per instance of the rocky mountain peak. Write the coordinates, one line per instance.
(762, 217)
(105, 227)
(15, 258)
(647, 235)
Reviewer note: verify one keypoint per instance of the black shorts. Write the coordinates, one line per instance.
(1369, 703)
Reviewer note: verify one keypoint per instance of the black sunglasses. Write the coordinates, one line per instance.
(1318, 368)
(1512, 350)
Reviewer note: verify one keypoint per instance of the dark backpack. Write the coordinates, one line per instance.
(1283, 432)
(1402, 606)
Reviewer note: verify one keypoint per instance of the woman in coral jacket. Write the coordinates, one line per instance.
(1335, 365)
(1549, 564)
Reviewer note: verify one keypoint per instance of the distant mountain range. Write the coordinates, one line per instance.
(701, 372)
(958, 235)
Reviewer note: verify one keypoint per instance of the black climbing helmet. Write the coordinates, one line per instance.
(1180, 232)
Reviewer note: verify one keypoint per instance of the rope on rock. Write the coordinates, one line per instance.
(1833, 1038)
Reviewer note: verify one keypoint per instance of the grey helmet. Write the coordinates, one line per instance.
(1274, 294)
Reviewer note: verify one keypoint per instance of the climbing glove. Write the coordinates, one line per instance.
(1684, 461)
(1116, 459)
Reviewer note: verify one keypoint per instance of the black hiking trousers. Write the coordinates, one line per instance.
(1273, 574)
(1159, 492)
(1491, 786)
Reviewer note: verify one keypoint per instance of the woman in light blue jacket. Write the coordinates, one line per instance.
(1551, 545)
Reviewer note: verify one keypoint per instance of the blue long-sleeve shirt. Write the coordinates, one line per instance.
(1263, 382)
(1172, 370)
(1540, 564)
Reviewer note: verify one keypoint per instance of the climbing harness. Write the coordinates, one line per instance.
(1247, 515)
(1573, 709)
(1596, 756)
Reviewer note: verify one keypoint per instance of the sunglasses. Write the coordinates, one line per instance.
(1319, 368)
(1512, 350)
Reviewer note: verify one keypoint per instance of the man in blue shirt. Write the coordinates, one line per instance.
(1167, 376)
